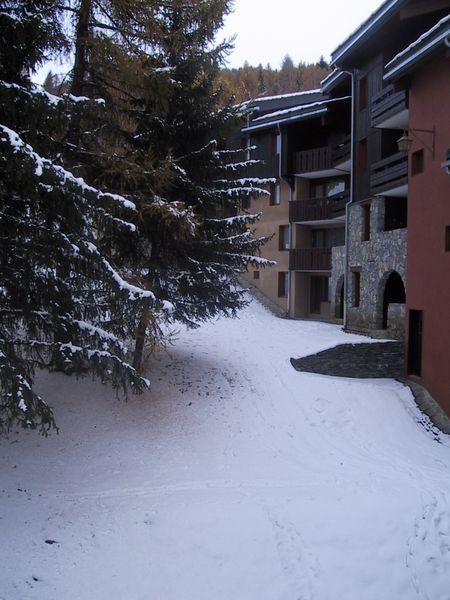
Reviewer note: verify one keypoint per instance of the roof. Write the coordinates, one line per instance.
(332, 80)
(423, 46)
(291, 115)
(371, 24)
(270, 104)
(291, 95)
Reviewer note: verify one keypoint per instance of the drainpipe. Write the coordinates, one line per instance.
(280, 175)
(352, 193)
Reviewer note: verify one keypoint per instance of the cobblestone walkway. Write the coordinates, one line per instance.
(361, 361)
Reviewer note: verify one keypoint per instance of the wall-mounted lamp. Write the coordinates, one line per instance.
(446, 163)
(405, 142)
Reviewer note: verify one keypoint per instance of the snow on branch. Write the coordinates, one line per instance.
(64, 176)
(38, 91)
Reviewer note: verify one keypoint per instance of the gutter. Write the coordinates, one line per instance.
(277, 123)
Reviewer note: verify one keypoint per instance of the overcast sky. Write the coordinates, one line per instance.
(267, 30)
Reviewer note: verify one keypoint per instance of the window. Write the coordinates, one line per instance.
(336, 186)
(356, 288)
(362, 93)
(366, 223)
(275, 194)
(319, 238)
(327, 189)
(395, 213)
(362, 156)
(255, 274)
(415, 336)
(319, 292)
(417, 162)
(283, 284)
(273, 144)
(284, 241)
(278, 144)
(447, 238)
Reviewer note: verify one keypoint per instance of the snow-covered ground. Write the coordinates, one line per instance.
(235, 478)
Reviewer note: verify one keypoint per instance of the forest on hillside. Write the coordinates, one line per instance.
(246, 82)
(249, 82)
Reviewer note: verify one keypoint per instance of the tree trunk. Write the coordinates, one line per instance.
(81, 48)
(141, 335)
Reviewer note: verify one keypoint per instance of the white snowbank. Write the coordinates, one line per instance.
(234, 478)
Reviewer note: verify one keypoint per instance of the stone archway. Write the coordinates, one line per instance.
(391, 291)
(339, 298)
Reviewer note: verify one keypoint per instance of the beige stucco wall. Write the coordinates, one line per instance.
(272, 218)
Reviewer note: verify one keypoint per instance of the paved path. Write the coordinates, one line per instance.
(359, 361)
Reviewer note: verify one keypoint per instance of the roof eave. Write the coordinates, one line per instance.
(410, 60)
(366, 28)
(278, 122)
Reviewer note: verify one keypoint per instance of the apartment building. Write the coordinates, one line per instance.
(306, 146)
(422, 72)
(378, 215)
(266, 135)
(360, 211)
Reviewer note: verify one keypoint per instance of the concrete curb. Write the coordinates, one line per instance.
(428, 405)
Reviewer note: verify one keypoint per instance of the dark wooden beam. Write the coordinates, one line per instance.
(419, 7)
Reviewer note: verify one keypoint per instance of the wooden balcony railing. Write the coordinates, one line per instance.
(386, 104)
(310, 259)
(389, 173)
(323, 158)
(341, 152)
(317, 159)
(317, 209)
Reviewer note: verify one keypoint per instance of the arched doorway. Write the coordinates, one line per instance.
(394, 293)
(339, 299)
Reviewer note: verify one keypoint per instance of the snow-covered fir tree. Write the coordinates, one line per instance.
(118, 200)
(182, 124)
(61, 296)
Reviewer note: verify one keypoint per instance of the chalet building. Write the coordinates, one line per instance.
(378, 214)
(306, 147)
(360, 207)
(422, 71)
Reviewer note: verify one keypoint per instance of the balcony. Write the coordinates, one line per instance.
(310, 259)
(389, 177)
(317, 159)
(389, 109)
(325, 161)
(341, 153)
(318, 209)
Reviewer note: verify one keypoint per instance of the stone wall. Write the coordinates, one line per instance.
(336, 279)
(375, 260)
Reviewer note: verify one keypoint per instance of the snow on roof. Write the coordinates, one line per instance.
(365, 27)
(327, 83)
(304, 107)
(301, 112)
(421, 39)
(334, 72)
(291, 95)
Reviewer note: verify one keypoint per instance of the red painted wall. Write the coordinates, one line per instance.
(428, 286)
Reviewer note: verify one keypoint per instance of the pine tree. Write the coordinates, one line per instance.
(60, 291)
(261, 80)
(161, 145)
(184, 131)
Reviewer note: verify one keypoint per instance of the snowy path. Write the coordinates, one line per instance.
(236, 478)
